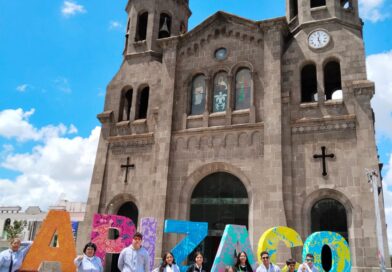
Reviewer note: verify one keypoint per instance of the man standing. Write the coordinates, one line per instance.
(134, 258)
(308, 266)
(11, 259)
(267, 266)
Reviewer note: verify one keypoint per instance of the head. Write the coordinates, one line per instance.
(242, 259)
(15, 244)
(291, 265)
(90, 249)
(229, 269)
(137, 240)
(265, 258)
(309, 259)
(168, 258)
(199, 258)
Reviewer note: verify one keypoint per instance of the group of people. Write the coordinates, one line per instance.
(135, 258)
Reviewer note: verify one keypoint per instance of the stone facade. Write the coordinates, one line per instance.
(268, 146)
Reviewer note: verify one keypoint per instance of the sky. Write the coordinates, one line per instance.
(56, 59)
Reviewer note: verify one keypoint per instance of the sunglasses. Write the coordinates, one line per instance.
(265, 258)
(309, 260)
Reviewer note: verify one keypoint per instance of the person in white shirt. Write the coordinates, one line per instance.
(308, 265)
(11, 259)
(168, 264)
(266, 265)
(88, 262)
(134, 258)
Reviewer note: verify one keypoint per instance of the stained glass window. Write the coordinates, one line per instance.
(220, 92)
(198, 95)
(243, 87)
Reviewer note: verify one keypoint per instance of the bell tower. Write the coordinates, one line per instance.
(152, 20)
(301, 13)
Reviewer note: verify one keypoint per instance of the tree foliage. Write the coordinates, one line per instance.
(15, 229)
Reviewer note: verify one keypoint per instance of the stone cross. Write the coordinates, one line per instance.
(323, 156)
(127, 166)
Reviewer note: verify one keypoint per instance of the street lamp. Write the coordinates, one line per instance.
(373, 180)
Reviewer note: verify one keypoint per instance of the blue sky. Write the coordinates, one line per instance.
(57, 58)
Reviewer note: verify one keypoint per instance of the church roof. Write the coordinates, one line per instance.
(228, 17)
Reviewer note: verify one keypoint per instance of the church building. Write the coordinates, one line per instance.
(257, 123)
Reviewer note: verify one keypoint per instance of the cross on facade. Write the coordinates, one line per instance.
(323, 156)
(127, 166)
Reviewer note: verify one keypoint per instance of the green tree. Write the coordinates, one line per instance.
(15, 229)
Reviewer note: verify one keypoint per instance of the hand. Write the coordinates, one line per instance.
(80, 257)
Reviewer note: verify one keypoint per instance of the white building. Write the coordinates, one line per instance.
(34, 216)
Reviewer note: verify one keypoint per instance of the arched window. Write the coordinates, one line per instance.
(130, 210)
(346, 4)
(332, 80)
(308, 84)
(293, 8)
(164, 26)
(6, 224)
(126, 105)
(141, 32)
(329, 215)
(218, 199)
(243, 88)
(143, 103)
(220, 92)
(198, 99)
(317, 3)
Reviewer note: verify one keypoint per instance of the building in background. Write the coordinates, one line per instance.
(34, 217)
(256, 123)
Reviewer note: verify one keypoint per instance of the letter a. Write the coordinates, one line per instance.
(56, 223)
(234, 240)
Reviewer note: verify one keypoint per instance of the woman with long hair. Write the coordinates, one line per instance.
(168, 263)
(242, 264)
(198, 265)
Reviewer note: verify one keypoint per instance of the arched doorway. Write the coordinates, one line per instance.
(329, 215)
(129, 209)
(6, 224)
(219, 199)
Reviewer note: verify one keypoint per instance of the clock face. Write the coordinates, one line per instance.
(318, 39)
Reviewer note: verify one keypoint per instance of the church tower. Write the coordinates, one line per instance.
(303, 13)
(329, 109)
(131, 169)
(151, 20)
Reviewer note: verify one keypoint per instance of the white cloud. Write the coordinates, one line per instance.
(59, 167)
(15, 124)
(72, 129)
(379, 66)
(388, 200)
(71, 8)
(22, 88)
(62, 84)
(372, 10)
(115, 25)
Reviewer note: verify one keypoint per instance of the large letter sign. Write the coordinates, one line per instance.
(56, 222)
(341, 258)
(102, 223)
(149, 231)
(234, 240)
(270, 239)
(195, 231)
